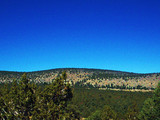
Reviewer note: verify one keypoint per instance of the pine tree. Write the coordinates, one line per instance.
(151, 107)
(156, 100)
(148, 111)
(52, 101)
(26, 98)
(5, 112)
(22, 100)
(13, 100)
(72, 113)
(108, 113)
(132, 112)
(95, 116)
(2, 105)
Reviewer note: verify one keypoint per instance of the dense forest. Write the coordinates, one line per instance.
(89, 101)
(58, 100)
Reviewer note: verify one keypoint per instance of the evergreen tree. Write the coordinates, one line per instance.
(23, 98)
(72, 113)
(2, 105)
(151, 107)
(156, 100)
(147, 112)
(52, 101)
(95, 116)
(108, 113)
(5, 113)
(132, 112)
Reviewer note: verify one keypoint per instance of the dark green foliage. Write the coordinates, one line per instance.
(95, 116)
(132, 112)
(151, 107)
(148, 111)
(156, 99)
(25, 100)
(108, 113)
(18, 100)
(72, 113)
(89, 101)
(53, 99)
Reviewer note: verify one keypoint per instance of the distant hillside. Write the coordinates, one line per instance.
(82, 77)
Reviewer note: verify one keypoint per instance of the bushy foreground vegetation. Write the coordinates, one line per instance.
(58, 101)
(25, 100)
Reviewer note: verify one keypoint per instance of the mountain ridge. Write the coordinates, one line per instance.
(90, 77)
(77, 68)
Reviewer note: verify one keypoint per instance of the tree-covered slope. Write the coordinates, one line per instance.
(90, 78)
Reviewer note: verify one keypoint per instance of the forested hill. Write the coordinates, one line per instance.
(80, 77)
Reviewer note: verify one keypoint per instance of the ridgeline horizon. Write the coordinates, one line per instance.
(68, 68)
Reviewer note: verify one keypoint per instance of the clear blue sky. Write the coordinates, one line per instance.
(107, 34)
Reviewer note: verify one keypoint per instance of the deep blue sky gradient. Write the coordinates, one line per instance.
(107, 34)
